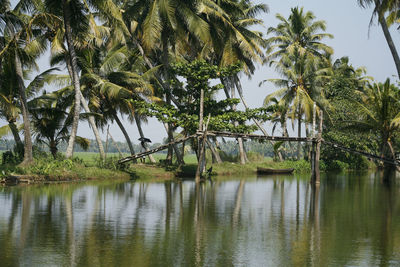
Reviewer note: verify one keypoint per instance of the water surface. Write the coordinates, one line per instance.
(350, 220)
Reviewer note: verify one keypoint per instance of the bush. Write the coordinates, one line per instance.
(46, 166)
(255, 157)
(298, 165)
(110, 163)
(337, 165)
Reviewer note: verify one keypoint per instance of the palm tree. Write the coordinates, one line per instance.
(234, 41)
(9, 108)
(163, 26)
(299, 34)
(380, 8)
(23, 41)
(76, 20)
(380, 106)
(110, 79)
(51, 122)
(301, 58)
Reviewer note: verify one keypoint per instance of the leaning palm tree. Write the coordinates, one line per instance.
(380, 8)
(23, 41)
(76, 21)
(110, 79)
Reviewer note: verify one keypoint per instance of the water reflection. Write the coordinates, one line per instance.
(275, 221)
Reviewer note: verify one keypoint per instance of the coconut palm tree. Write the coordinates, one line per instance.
(23, 41)
(162, 27)
(302, 59)
(51, 123)
(300, 33)
(380, 8)
(233, 41)
(380, 106)
(76, 24)
(110, 79)
(9, 110)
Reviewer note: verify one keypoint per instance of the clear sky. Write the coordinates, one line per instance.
(352, 37)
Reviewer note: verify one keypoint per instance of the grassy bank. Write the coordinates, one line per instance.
(48, 169)
(232, 168)
(87, 166)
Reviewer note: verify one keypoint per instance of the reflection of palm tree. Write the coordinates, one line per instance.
(238, 202)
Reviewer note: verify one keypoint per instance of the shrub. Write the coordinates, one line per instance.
(255, 157)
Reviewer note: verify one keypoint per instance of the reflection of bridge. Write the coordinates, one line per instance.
(316, 142)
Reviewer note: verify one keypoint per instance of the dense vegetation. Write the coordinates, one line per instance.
(168, 59)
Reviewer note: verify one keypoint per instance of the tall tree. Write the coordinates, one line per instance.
(76, 21)
(23, 42)
(300, 57)
(380, 8)
(380, 109)
(110, 79)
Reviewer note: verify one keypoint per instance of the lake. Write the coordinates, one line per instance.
(350, 220)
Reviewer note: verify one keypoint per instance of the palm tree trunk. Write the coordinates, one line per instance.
(389, 40)
(242, 153)
(125, 133)
(314, 120)
(240, 91)
(299, 133)
(214, 152)
(144, 145)
(28, 156)
(75, 78)
(15, 132)
(179, 156)
(156, 74)
(165, 63)
(91, 118)
(53, 148)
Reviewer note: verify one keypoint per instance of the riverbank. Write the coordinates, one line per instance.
(144, 171)
(64, 170)
(49, 170)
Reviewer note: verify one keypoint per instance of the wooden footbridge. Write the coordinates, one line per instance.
(316, 142)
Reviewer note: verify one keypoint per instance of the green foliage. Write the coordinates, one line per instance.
(110, 163)
(198, 75)
(342, 93)
(337, 165)
(45, 167)
(254, 156)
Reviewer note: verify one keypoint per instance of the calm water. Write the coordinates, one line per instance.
(351, 220)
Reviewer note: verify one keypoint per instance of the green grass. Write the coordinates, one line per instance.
(91, 158)
(86, 166)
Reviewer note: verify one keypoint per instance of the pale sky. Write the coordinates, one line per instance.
(352, 37)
